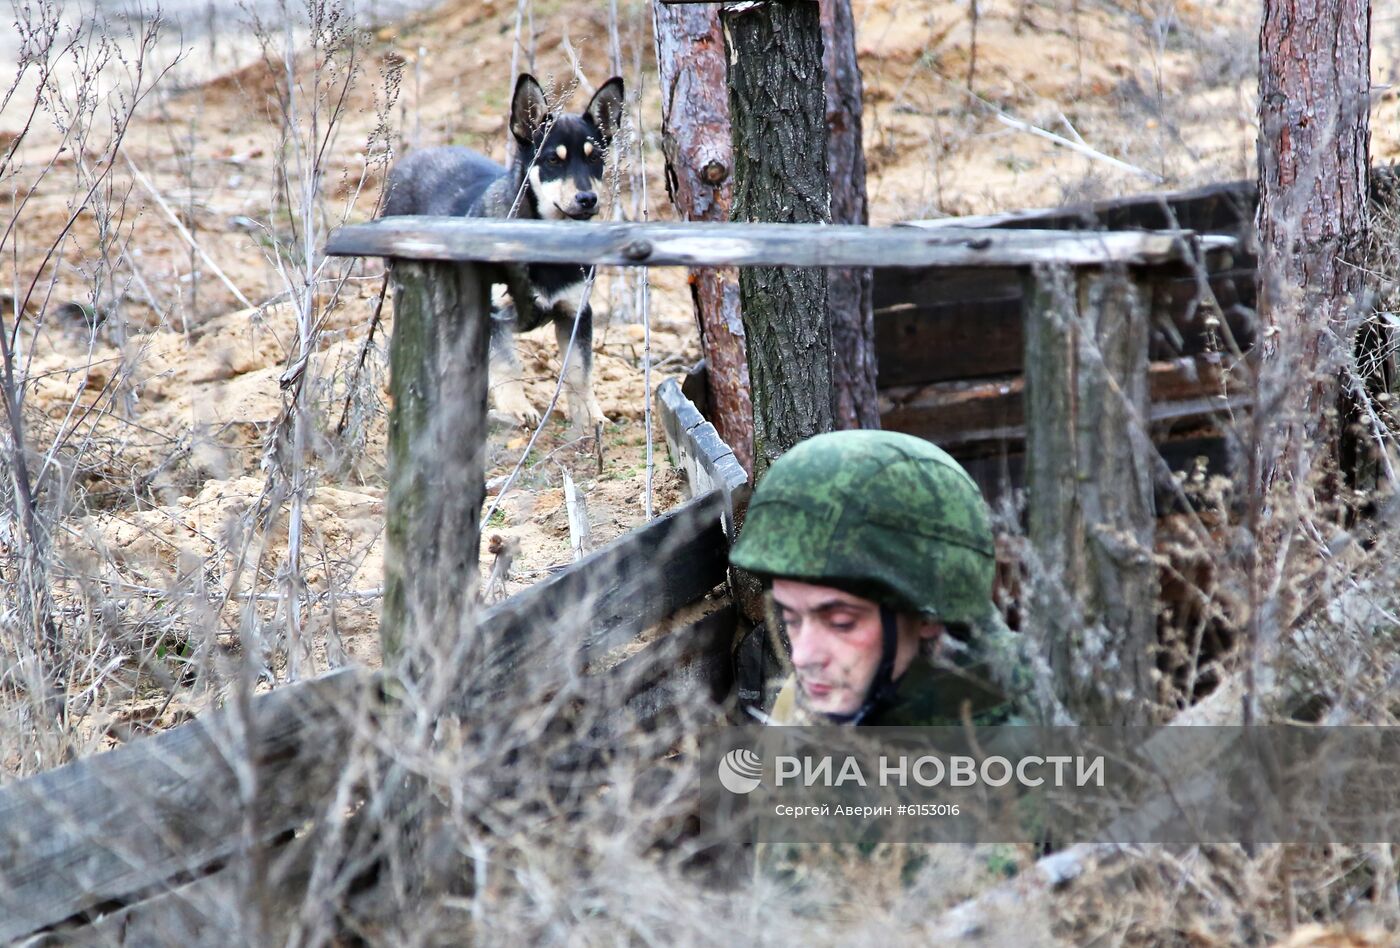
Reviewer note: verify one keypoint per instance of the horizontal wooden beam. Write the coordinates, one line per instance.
(945, 325)
(1220, 208)
(971, 414)
(698, 244)
(110, 826)
(1213, 209)
(603, 601)
(999, 474)
(1202, 243)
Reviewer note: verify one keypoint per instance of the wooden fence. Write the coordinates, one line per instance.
(128, 846)
(151, 839)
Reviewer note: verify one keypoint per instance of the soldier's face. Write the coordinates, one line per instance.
(835, 638)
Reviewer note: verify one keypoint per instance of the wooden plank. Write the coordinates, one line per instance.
(602, 602)
(895, 287)
(1003, 471)
(948, 339)
(695, 656)
(730, 473)
(695, 446)
(713, 244)
(678, 413)
(717, 458)
(1222, 208)
(952, 434)
(213, 910)
(966, 414)
(1226, 208)
(115, 824)
(935, 326)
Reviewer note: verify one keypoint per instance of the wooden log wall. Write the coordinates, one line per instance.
(951, 341)
(148, 817)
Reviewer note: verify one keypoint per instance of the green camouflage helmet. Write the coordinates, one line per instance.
(883, 515)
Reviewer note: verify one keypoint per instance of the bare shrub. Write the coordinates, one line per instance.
(72, 98)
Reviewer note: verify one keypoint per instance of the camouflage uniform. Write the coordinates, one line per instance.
(894, 519)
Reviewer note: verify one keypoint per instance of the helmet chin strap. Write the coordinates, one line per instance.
(881, 690)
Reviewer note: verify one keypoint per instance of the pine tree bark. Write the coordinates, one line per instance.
(695, 136)
(1314, 85)
(854, 401)
(778, 110)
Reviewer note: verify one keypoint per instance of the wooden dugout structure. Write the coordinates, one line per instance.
(952, 341)
(250, 791)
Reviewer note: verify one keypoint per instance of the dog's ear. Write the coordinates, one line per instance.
(528, 110)
(605, 108)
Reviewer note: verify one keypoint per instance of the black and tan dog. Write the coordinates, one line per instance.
(557, 174)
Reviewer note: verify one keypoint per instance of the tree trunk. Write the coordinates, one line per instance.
(778, 109)
(854, 402)
(695, 136)
(1314, 138)
(1314, 86)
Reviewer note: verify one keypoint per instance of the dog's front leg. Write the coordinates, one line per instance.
(507, 376)
(583, 407)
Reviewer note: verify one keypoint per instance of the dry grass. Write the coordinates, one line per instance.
(183, 521)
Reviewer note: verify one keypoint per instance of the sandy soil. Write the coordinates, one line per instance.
(163, 414)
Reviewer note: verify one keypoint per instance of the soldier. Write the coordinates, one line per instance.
(879, 553)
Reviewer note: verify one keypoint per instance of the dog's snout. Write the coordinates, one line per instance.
(587, 200)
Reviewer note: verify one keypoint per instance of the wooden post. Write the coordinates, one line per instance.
(437, 433)
(1089, 476)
